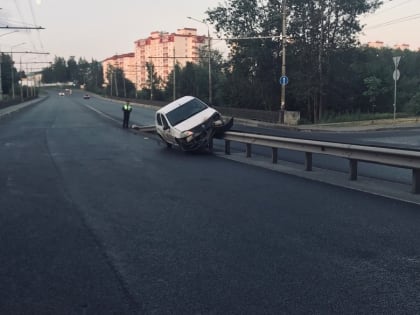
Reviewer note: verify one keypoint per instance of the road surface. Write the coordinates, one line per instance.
(95, 219)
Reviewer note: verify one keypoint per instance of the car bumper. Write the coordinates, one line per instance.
(203, 134)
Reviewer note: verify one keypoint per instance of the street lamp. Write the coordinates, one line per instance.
(209, 45)
(149, 69)
(11, 66)
(21, 90)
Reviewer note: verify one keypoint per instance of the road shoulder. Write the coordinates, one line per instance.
(392, 190)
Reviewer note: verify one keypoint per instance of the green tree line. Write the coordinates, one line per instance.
(329, 72)
(79, 73)
(11, 79)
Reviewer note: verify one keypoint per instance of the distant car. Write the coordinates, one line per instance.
(189, 123)
(86, 96)
(61, 93)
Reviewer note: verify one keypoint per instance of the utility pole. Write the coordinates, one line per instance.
(174, 63)
(151, 81)
(1, 84)
(209, 56)
(283, 80)
(116, 73)
(11, 68)
(137, 81)
(21, 82)
(125, 90)
(210, 85)
(112, 71)
(13, 28)
(116, 84)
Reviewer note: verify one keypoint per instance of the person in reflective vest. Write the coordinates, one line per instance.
(126, 110)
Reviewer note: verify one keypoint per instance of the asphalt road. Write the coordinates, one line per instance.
(95, 219)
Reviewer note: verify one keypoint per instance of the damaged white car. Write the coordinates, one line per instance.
(190, 123)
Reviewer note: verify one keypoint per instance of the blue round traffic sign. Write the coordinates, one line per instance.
(284, 80)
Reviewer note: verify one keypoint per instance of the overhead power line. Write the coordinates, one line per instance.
(393, 7)
(22, 27)
(396, 21)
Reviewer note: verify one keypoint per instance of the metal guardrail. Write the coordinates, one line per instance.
(354, 153)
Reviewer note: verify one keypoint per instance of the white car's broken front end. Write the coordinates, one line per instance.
(189, 123)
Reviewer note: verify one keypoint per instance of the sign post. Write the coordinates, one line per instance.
(396, 76)
(283, 64)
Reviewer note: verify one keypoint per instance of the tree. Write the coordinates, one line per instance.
(94, 76)
(171, 92)
(6, 72)
(317, 29)
(321, 27)
(83, 71)
(48, 75)
(252, 72)
(153, 81)
(60, 70)
(413, 106)
(73, 70)
(373, 90)
(188, 80)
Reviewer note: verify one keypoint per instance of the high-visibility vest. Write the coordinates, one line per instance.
(127, 107)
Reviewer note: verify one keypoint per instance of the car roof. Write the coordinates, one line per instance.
(178, 102)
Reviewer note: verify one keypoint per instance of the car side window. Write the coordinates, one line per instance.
(159, 119)
(165, 123)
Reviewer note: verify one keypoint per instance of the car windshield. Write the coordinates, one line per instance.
(185, 111)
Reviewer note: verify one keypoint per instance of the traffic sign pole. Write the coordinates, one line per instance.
(396, 76)
(283, 64)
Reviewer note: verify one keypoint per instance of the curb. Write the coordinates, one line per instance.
(15, 108)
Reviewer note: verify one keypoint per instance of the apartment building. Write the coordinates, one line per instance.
(163, 50)
(125, 62)
(402, 46)
(380, 44)
(376, 44)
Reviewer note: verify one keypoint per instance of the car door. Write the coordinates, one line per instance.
(159, 124)
(167, 130)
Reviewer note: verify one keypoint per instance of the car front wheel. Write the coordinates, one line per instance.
(168, 145)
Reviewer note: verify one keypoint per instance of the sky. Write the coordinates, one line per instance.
(98, 29)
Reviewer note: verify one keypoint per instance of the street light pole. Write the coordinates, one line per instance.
(21, 82)
(11, 68)
(210, 85)
(209, 57)
(174, 78)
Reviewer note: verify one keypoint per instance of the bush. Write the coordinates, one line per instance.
(413, 106)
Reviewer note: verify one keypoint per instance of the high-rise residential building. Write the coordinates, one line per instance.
(163, 50)
(402, 46)
(376, 44)
(125, 62)
(380, 44)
